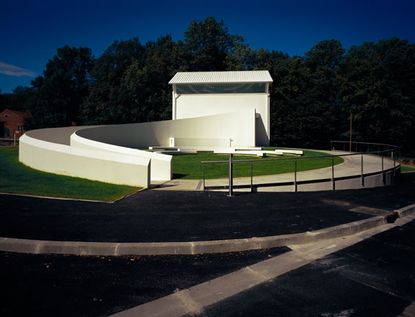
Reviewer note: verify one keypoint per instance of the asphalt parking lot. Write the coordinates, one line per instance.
(58, 285)
(193, 216)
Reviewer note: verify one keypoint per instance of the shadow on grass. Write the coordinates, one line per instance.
(178, 175)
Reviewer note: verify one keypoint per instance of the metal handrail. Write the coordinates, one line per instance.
(367, 143)
(291, 158)
(10, 140)
(393, 149)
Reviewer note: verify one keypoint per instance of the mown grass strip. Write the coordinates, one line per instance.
(188, 166)
(407, 169)
(15, 177)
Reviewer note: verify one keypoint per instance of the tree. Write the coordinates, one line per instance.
(324, 110)
(59, 93)
(103, 102)
(146, 96)
(240, 56)
(208, 44)
(289, 102)
(20, 99)
(379, 90)
(327, 54)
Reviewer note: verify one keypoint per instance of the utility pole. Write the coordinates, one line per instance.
(350, 132)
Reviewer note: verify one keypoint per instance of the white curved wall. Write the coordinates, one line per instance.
(111, 153)
(161, 168)
(94, 165)
(214, 131)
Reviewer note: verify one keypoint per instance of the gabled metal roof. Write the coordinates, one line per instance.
(251, 76)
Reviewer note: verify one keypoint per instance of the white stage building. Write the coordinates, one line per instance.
(197, 94)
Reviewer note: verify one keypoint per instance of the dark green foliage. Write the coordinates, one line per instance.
(145, 94)
(20, 100)
(379, 90)
(57, 95)
(104, 103)
(312, 96)
(208, 43)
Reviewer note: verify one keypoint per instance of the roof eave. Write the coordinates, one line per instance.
(222, 82)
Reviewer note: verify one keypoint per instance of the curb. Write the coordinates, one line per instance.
(196, 247)
(58, 198)
(73, 199)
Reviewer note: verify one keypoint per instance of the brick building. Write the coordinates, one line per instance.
(12, 123)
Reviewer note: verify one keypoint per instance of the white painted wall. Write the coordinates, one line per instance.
(198, 105)
(214, 131)
(110, 153)
(161, 169)
(96, 165)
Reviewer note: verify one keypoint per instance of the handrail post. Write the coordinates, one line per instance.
(383, 173)
(394, 164)
(204, 179)
(361, 171)
(252, 169)
(295, 175)
(332, 174)
(230, 173)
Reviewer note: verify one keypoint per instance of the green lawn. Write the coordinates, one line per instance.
(407, 169)
(18, 178)
(188, 166)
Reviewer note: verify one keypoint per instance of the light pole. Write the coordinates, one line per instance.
(14, 138)
(230, 174)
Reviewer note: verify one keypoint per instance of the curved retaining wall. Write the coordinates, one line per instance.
(213, 131)
(110, 153)
(96, 165)
(160, 169)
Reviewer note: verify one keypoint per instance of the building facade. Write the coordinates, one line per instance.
(12, 123)
(198, 94)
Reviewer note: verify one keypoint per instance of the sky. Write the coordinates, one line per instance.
(32, 30)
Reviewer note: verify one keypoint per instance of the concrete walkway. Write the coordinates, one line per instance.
(352, 166)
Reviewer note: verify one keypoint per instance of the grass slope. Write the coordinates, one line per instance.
(188, 166)
(18, 178)
(407, 169)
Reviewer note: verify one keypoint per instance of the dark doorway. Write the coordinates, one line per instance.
(1, 129)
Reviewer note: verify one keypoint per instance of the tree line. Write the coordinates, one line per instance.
(312, 97)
